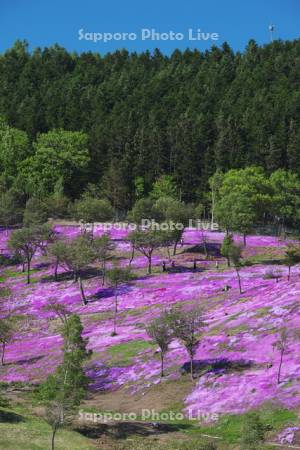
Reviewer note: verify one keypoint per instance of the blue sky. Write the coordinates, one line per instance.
(45, 22)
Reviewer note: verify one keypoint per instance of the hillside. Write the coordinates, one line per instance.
(236, 363)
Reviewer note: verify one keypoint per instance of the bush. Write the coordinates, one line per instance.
(253, 432)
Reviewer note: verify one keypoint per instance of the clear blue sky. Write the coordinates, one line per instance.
(45, 22)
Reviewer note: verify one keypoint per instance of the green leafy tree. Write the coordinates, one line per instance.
(164, 187)
(6, 335)
(79, 254)
(293, 147)
(59, 309)
(35, 213)
(253, 432)
(58, 250)
(144, 209)
(11, 211)
(225, 247)
(292, 257)
(59, 156)
(275, 152)
(63, 391)
(178, 213)
(91, 210)
(186, 324)
(281, 345)
(235, 255)
(117, 276)
(58, 203)
(285, 198)
(215, 183)
(139, 187)
(26, 241)
(114, 187)
(14, 148)
(159, 330)
(146, 242)
(104, 247)
(245, 195)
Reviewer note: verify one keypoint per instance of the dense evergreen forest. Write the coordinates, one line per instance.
(129, 118)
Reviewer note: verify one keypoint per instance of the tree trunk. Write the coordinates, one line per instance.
(192, 368)
(116, 312)
(289, 273)
(228, 261)
(212, 209)
(103, 272)
(28, 271)
(169, 255)
(54, 430)
(149, 265)
(55, 271)
(244, 239)
(205, 248)
(3, 353)
(162, 364)
(239, 280)
(132, 255)
(82, 294)
(280, 365)
(175, 247)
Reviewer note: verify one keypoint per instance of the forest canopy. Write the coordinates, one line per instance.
(122, 120)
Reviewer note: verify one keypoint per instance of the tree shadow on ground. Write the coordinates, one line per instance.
(21, 362)
(107, 292)
(90, 272)
(10, 417)
(223, 365)
(7, 260)
(212, 249)
(183, 269)
(123, 430)
(42, 265)
(265, 262)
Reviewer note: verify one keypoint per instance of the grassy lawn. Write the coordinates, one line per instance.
(229, 427)
(122, 354)
(20, 429)
(27, 432)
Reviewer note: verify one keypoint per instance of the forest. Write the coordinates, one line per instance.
(122, 120)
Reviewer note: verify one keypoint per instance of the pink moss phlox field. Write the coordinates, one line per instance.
(287, 435)
(236, 360)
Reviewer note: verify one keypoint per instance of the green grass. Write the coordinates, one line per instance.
(16, 273)
(122, 354)
(5, 292)
(27, 432)
(19, 429)
(261, 312)
(229, 426)
(265, 257)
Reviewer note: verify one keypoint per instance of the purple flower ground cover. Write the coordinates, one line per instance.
(237, 358)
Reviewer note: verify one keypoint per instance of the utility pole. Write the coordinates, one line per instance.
(271, 29)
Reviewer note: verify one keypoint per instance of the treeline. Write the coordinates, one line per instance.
(130, 118)
(241, 200)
